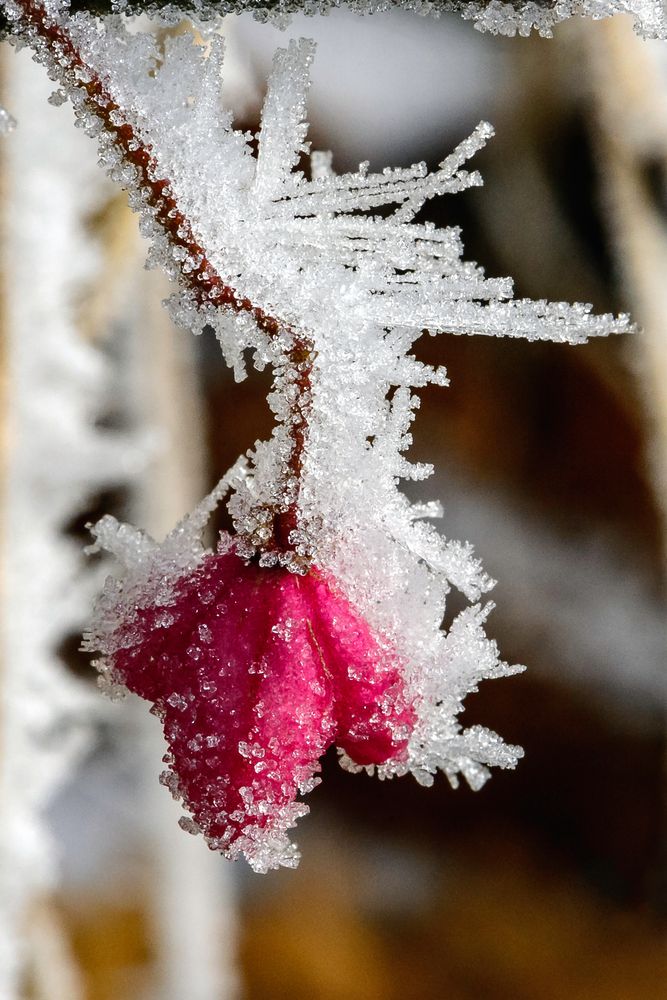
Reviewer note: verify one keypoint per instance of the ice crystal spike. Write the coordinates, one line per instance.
(258, 235)
(304, 272)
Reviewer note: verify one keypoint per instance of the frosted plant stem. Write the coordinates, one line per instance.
(495, 16)
(202, 281)
(302, 267)
(308, 276)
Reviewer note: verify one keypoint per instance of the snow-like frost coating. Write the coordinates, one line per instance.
(351, 282)
(500, 17)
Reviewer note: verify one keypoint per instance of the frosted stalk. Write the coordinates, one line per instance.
(501, 17)
(330, 280)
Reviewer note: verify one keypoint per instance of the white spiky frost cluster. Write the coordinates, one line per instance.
(363, 287)
(341, 260)
(520, 18)
(499, 17)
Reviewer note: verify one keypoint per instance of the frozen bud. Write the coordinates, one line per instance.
(289, 669)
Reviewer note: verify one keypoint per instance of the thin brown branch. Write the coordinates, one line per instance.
(201, 280)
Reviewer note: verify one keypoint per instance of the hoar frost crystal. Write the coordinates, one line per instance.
(318, 620)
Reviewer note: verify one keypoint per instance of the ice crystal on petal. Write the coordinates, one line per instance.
(254, 674)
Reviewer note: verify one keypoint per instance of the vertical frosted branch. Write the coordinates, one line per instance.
(55, 459)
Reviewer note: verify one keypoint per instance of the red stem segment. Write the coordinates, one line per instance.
(204, 283)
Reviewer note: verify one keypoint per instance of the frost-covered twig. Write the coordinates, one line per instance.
(255, 670)
(503, 17)
(400, 274)
(137, 164)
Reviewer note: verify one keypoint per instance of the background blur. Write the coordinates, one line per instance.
(551, 460)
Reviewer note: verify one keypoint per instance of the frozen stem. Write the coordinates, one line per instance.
(197, 274)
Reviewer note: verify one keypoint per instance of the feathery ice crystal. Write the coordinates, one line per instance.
(319, 620)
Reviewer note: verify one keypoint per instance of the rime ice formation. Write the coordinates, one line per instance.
(521, 17)
(329, 280)
(502, 17)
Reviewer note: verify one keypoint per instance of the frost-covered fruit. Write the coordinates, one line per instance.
(255, 672)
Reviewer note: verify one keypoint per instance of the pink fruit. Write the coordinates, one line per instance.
(255, 672)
